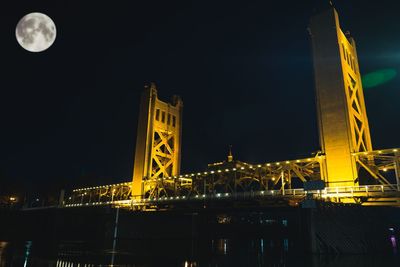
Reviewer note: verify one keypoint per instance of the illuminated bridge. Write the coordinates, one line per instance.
(345, 170)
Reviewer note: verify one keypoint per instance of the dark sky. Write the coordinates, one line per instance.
(243, 69)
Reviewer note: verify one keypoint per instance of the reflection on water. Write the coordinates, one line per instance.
(3, 246)
(70, 264)
(28, 246)
(221, 245)
(186, 253)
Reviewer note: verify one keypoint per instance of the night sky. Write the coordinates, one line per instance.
(243, 68)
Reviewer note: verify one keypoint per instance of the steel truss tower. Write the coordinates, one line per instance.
(342, 117)
(158, 144)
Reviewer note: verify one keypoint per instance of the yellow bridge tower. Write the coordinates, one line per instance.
(342, 117)
(158, 144)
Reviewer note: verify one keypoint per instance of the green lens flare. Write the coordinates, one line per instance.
(379, 77)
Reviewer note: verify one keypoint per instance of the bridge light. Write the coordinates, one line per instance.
(394, 150)
(218, 195)
(197, 196)
(205, 172)
(211, 172)
(268, 164)
(262, 192)
(183, 197)
(259, 166)
(227, 170)
(219, 170)
(298, 160)
(380, 152)
(198, 173)
(277, 163)
(204, 195)
(234, 169)
(384, 169)
(287, 162)
(226, 194)
(308, 159)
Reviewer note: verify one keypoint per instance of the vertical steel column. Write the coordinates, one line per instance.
(397, 169)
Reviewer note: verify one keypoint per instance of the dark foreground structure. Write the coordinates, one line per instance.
(326, 229)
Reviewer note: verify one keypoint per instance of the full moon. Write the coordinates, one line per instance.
(35, 32)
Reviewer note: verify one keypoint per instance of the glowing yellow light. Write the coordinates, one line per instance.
(287, 162)
(259, 166)
(13, 198)
(384, 169)
(277, 163)
(394, 150)
(268, 164)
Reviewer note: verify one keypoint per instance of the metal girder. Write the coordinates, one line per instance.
(379, 163)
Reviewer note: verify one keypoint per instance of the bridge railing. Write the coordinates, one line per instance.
(360, 189)
(328, 192)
